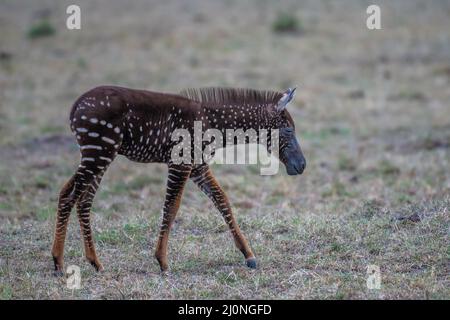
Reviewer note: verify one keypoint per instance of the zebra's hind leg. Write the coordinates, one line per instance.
(99, 141)
(71, 192)
(69, 195)
(84, 206)
(67, 199)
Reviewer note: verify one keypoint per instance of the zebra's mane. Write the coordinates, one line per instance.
(216, 96)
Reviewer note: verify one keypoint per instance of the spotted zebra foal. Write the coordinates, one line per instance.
(109, 121)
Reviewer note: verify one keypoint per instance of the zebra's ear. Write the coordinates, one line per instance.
(288, 95)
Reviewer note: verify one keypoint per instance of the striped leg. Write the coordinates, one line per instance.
(66, 202)
(203, 177)
(177, 177)
(84, 205)
(94, 162)
(69, 195)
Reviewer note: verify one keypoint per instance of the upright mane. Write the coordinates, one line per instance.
(218, 96)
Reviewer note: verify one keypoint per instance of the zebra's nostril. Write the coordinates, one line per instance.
(300, 167)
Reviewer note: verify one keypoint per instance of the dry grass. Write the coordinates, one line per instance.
(372, 113)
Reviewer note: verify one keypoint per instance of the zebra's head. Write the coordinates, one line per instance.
(290, 153)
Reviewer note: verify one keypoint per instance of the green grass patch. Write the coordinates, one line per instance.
(286, 22)
(337, 188)
(44, 213)
(42, 182)
(137, 231)
(6, 292)
(111, 237)
(387, 168)
(41, 29)
(137, 183)
(6, 206)
(51, 129)
(227, 278)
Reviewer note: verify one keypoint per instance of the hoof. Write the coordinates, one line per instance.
(58, 273)
(58, 267)
(97, 265)
(164, 269)
(251, 263)
(163, 266)
(165, 273)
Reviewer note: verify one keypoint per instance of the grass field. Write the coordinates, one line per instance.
(372, 114)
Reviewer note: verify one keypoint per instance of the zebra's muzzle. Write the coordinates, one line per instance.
(295, 167)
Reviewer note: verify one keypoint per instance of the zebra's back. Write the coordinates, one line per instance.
(135, 123)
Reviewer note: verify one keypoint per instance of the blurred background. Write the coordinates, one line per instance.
(372, 115)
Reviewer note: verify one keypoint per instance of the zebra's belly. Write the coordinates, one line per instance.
(144, 153)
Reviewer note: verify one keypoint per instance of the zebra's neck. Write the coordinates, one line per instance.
(237, 117)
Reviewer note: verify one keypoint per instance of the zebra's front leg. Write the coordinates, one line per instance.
(203, 177)
(176, 179)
